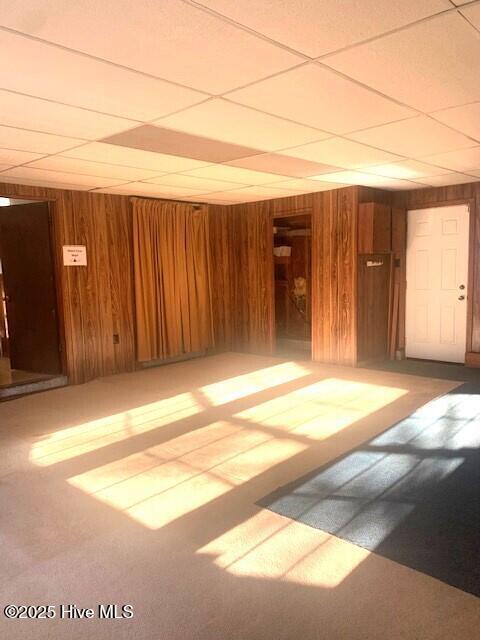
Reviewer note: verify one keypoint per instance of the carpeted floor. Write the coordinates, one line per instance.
(142, 488)
(411, 494)
(429, 369)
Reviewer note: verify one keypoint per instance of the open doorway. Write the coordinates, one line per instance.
(29, 332)
(292, 241)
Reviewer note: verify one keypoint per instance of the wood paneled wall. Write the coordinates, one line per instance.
(97, 300)
(334, 276)
(252, 277)
(222, 275)
(334, 247)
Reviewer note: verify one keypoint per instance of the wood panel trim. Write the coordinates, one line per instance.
(59, 284)
(473, 223)
(292, 213)
(472, 359)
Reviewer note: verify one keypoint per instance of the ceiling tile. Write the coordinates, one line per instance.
(44, 183)
(472, 13)
(114, 154)
(225, 197)
(50, 117)
(176, 41)
(307, 186)
(406, 170)
(194, 182)
(23, 140)
(283, 165)
(315, 28)
(252, 194)
(153, 138)
(12, 157)
(448, 179)
(222, 120)
(414, 138)
(86, 167)
(3, 167)
(465, 118)
(320, 98)
(57, 176)
(208, 199)
(367, 179)
(153, 190)
(76, 79)
(461, 160)
(427, 66)
(123, 190)
(474, 172)
(235, 174)
(342, 153)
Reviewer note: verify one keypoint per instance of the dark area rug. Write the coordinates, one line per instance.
(412, 494)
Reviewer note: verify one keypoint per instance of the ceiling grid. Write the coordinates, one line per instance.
(226, 101)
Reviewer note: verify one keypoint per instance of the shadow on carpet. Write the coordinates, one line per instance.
(412, 494)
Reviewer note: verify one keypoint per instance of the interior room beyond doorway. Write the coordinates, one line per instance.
(292, 271)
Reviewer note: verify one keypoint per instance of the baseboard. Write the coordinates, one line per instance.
(472, 359)
(180, 358)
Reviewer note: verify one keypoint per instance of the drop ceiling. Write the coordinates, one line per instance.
(224, 101)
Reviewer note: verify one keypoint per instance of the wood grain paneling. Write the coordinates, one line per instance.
(399, 248)
(96, 301)
(334, 251)
(334, 276)
(374, 228)
(221, 265)
(252, 277)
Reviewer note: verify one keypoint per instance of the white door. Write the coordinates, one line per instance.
(437, 277)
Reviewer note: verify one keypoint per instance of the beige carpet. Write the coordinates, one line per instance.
(141, 488)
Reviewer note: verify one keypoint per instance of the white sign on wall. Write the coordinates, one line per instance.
(75, 255)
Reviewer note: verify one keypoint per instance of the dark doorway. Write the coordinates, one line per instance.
(28, 319)
(292, 268)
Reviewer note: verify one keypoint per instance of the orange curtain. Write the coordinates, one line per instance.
(172, 279)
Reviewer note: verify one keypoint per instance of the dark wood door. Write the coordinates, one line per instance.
(373, 306)
(29, 283)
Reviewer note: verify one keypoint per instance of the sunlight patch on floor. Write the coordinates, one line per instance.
(269, 546)
(91, 436)
(320, 410)
(160, 484)
(247, 384)
(170, 480)
(74, 441)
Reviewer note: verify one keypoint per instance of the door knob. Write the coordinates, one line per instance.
(462, 287)
(461, 297)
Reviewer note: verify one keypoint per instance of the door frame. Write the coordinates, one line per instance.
(470, 358)
(57, 268)
(288, 213)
